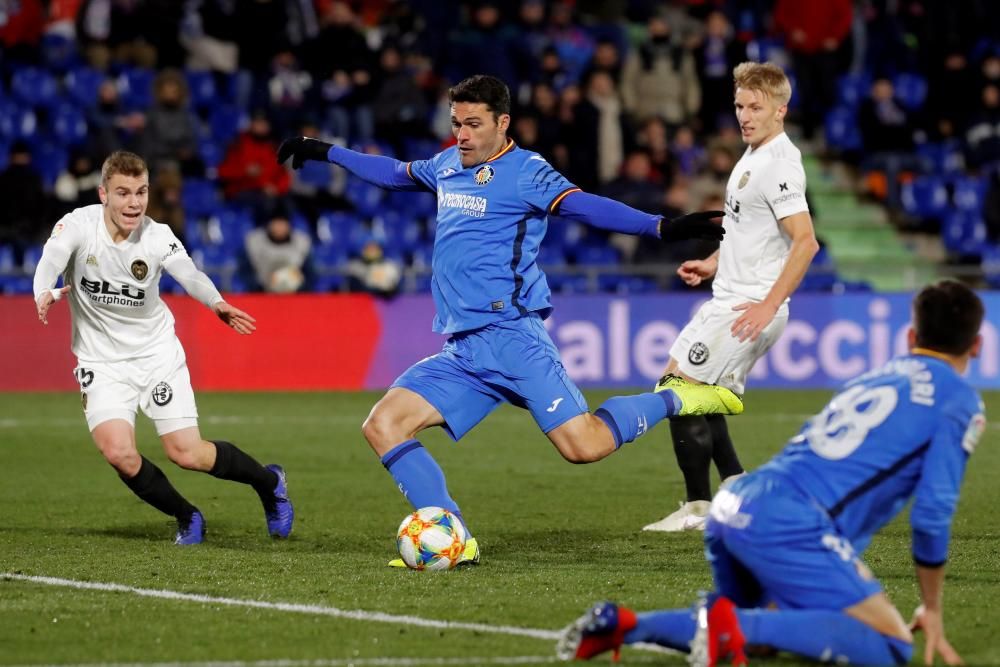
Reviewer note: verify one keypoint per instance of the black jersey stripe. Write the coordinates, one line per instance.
(515, 297)
(876, 479)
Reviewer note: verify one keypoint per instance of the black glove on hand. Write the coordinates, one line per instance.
(301, 149)
(692, 226)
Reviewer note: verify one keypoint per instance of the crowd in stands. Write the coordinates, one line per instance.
(632, 100)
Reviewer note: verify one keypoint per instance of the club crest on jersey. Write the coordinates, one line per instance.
(484, 174)
(698, 354)
(744, 179)
(139, 269)
(162, 393)
(91, 260)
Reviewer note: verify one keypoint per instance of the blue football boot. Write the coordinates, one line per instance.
(191, 531)
(279, 511)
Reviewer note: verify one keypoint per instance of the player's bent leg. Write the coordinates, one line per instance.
(115, 438)
(583, 439)
(397, 417)
(186, 448)
(877, 612)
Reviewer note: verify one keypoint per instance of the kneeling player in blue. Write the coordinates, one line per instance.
(491, 298)
(785, 542)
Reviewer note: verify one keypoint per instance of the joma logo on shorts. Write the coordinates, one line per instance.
(104, 287)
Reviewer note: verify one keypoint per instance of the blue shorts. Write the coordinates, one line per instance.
(767, 542)
(513, 361)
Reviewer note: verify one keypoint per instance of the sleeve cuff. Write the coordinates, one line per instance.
(929, 564)
(554, 206)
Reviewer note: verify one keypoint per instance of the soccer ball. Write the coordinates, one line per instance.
(431, 538)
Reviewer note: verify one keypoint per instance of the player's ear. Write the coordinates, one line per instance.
(102, 195)
(911, 338)
(782, 110)
(503, 122)
(977, 347)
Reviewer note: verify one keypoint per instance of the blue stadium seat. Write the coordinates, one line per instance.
(550, 254)
(419, 204)
(317, 174)
(219, 262)
(852, 89)
(201, 86)
(944, 157)
(58, 51)
(199, 197)
(420, 149)
(17, 122)
(911, 90)
(34, 87)
(925, 196)
(168, 285)
(49, 161)
(211, 152)
(626, 284)
(596, 255)
(763, 49)
(82, 85)
(225, 122)
(841, 129)
(365, 197)
(565, 283)
(964, 233)
(991, 264)
(334, 227)
(327, 260)
(401, 232)
(969, 193)
(68, 125)
(7, 264)
(17, 285)
(31, 256)
(228, 227)
(135, 86)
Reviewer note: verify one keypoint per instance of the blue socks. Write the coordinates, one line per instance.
(826, 635)
(673, 628)
(418, 476)
(628, 417)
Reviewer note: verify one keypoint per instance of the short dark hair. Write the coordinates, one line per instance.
(483, 89)
(946, 317)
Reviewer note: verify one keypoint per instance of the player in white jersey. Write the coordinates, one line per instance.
(768, 247)
(111, 257)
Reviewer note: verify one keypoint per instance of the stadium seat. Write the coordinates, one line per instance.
(417, 203)
(135, 87)
(17, 122)
(317, 174)
(82, 85)
(17, 285)
(211, 152)
(328, 260)
(841, 129)
(991, 264)
(911, 90)
(199, 197)
(219, 262)
(7, 264)
(565, 283)
(925, 197)
(401, 232)
(34, 87)
(550, 254)
(68, 125)
(228, 227)
(225, 122)
(201, 87)
(333, 227)
(49, 160)
(852, 89)
(969, 193)
(596, 255)
(31, 256)
(964, 233)
(58, 51)
(942, 157)
(365, 197)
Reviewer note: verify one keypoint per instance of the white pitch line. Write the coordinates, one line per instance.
(317, 610)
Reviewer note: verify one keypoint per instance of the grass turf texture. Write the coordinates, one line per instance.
(555, 538)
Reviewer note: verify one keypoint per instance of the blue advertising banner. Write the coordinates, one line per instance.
(607, 341)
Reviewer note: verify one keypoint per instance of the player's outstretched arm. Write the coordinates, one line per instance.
(694, 271)
(385, 172)
(201, 287)
(55, 257)
(45, 300)
(929, 617)
(615, 216)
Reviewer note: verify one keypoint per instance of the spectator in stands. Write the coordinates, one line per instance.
(21, 30)
(689, 154)
(637, 185)
(209, 35)
(571, 42)
(712, 179)
(248, 173)
(23, 216)
(887, 132)
(278, 253)
(716, 56)
(660, 78)
(552, 72)
(77, 185)
(607, 59)
(949, 95)
(110, 126)
(288, 90)
(530, 40)
(371, 271)
(484, 34)
(170, 136)
(599, 115)
(817, 34)
(652, 137)
(165, 200)
(991, 207)
(982, 136)
(400, 106)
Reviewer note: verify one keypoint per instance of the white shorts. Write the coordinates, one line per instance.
(707, 351)
(160, 385)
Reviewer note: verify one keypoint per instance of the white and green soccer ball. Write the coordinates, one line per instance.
(432, 538)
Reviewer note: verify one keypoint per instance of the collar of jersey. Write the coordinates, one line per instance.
(508, 147)
(924, 352)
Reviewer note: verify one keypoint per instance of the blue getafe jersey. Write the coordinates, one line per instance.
(902, 430)
(491, 219)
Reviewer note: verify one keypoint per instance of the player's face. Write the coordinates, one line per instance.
(125, 199)
(479, 135)
(760, 117)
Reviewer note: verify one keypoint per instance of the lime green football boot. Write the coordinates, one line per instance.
(700, 399)
(470, 555)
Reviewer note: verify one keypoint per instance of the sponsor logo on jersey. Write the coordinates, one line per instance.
(448, 172)
(788, 196)
(57, 230)
(484, 174)
(91, 260)
(698, 354)
(174, 249)
(162, 393)
(139, 269)
(554, 406)
(103, 292)
(470, 205)
(744, 179)
(497, 305)
(733, 208)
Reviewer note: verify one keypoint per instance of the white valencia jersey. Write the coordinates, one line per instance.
(115, 297)
(766, 185)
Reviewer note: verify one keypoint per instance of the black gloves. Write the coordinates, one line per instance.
(692, 226)
(301, 149)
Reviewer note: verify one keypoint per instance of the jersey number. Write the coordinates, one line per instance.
(844, 423)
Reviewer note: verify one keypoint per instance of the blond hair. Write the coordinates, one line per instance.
(766, 78)
(122, 162)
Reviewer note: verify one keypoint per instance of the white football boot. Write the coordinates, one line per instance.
(691, 516)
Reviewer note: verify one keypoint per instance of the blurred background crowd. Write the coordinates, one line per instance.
(896, 108)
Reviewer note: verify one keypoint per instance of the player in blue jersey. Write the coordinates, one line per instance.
(491, 298)
(785, 541)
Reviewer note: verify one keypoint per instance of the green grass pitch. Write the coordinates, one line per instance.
(555, 538)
